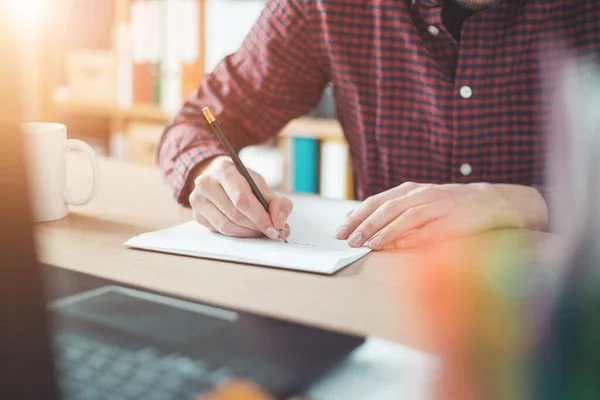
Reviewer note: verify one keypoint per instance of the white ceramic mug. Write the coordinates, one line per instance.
(46, 147)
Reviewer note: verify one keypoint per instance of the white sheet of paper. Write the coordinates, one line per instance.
(312, 244)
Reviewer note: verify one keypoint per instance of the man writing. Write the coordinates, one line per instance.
(440, 102)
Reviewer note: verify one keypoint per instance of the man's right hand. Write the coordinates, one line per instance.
(223, 202)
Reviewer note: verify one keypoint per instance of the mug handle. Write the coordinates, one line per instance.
(79, 145)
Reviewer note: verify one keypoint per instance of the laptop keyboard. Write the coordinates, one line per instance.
(94, 370)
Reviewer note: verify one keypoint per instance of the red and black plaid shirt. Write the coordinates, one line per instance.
(414, 104)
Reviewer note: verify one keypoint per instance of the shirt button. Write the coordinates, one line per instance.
(466, 92)
(433, 30)
(466, 169)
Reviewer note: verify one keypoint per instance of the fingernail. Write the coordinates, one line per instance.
(355, 239)
(283, 235)
(281, 217)
(272, 233)
(375, 243)
(341, 233)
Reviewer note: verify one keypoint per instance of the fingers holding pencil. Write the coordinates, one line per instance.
(272, 220)
(223, 202)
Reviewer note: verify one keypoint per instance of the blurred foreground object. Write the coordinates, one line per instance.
(506, 322)
(567, 330)
(237, 390)
(474, 295)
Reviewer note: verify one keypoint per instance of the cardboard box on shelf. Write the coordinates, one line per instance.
(91, 77)
(142, 139)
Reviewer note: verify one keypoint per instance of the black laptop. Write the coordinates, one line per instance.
(72, 336)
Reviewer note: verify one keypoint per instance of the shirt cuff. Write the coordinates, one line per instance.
(185, 163)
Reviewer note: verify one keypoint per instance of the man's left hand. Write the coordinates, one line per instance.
(413, 214)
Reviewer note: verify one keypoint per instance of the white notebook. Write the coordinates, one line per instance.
(312, 244)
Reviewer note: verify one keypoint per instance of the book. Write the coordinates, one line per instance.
(334, 169)
(124, 72)
(170, 73)
(166, 48)
(191, 15)
(305, 167)
(145, 50)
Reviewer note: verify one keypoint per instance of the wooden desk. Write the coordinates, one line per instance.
(371, 297)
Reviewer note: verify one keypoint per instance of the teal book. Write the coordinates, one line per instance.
(305, 165)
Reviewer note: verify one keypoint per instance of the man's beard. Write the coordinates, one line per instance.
(477, 5)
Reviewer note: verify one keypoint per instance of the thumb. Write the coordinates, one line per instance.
(280, 209)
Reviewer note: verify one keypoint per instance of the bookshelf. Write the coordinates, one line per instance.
(315, 128)
(118, 117)
(102, 28)
(129, 122)
(142, 112)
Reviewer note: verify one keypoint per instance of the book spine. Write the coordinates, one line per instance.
(334, 169)
(155, 41)
(169, 64)
(142, 83)
(349, 180)
(286, 145)
(124, 78)
(141, 78)
(305, 165)
(156, 83)
(191, 13)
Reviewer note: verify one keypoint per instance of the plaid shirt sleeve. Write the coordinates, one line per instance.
(254, 92)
